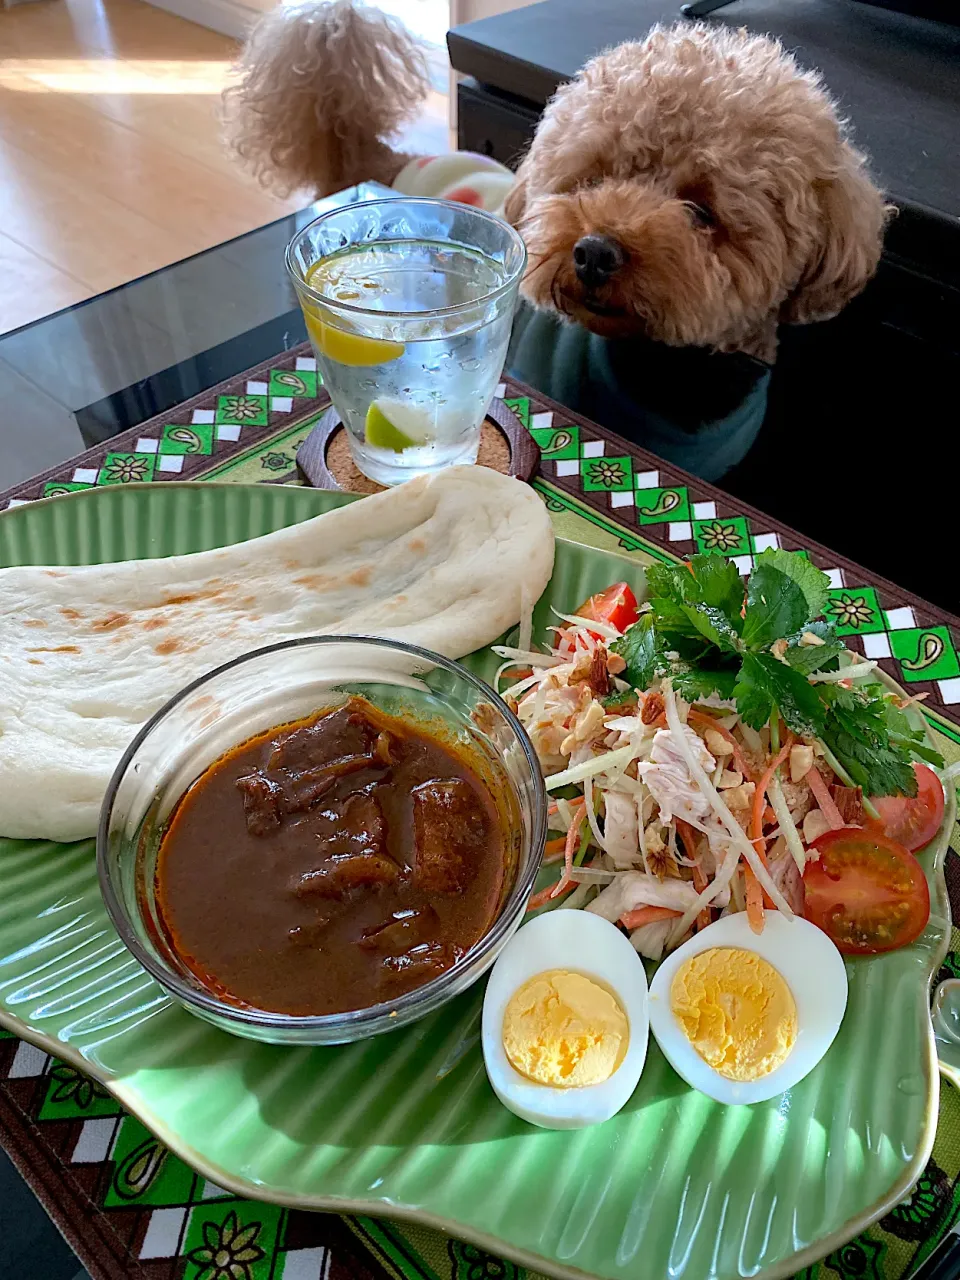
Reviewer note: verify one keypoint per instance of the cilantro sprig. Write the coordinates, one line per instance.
(760, 646)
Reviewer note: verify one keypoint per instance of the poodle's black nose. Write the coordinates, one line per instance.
(596, 259)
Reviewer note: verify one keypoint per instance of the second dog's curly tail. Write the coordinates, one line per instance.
(323, 87)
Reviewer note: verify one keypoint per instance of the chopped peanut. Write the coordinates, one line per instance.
(615, 664)
(740, 797)
(585, 727)
(652, 838)
(801, 761)
(814, 825)
(799, 798)
(729, 778)
(810, 637)
(717, 744)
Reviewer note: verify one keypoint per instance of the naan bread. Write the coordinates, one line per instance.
(87, 654)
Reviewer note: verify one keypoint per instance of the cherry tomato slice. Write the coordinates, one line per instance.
(617, 606)
(865, 891)
(913, 821)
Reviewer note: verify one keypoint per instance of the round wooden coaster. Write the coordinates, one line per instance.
(325, 459)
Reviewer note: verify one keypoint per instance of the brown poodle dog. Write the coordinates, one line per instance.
(322, 89)
(683, 195)
(696, 187)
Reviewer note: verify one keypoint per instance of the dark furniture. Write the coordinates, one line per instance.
(863, 400)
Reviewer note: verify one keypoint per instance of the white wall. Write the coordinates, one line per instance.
(229, 17)
(428, 19)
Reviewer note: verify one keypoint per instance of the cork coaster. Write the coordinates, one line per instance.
(325, 460)
(494, 452)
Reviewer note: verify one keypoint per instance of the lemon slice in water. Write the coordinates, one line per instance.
(350, 348)
(391, 424)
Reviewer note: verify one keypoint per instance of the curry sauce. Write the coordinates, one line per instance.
(331, 864)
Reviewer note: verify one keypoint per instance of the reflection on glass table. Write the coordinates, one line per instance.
(86, 373)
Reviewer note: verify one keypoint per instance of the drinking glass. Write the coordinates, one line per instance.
(408, 304)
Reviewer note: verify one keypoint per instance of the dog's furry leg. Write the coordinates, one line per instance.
(323, 88)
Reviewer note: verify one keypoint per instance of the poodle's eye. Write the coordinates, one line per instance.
(703, 215)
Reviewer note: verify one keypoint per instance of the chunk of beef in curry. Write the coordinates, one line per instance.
(331, 864)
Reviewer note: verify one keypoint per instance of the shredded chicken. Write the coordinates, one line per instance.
(620, 829)
(633, 889)
(668, 776)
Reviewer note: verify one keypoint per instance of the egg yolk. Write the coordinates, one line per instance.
(736, 1011)
(565, 1030)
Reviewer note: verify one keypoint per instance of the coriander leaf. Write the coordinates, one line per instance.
(807, 658)
(677, 619)
(700, 683)
(752, 694)
(856, 733)
(693, 650)
(666, 581)
(813, 582)
(776, 607)
(618, 700)
(765, 683)
(920, 750)
(896, 720)
(719, 586)
(637, 647)
(903, 733)
(713, 624)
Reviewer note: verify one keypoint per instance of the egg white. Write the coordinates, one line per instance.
(812, 968)
(581, 943)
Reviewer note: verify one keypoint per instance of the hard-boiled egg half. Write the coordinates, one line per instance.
(743, 1016)
(565, 1021)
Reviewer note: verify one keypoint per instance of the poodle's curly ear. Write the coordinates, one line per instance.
(515, 205)
(852, 217)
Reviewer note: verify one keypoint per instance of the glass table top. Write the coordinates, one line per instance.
(84, 374)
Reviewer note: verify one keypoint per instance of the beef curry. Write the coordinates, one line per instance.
(330, 864)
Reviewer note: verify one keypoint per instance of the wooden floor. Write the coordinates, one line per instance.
(111, 163)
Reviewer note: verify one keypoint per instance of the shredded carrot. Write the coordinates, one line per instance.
(754, 900)
(647, 915)
(769, 817)
(543, 897)
(570, 841)
(823, 798)
(757, 897)
(569, 848)
(708, 722)
(700, 883)
(554, 809)
(688, 836)
(760, 797)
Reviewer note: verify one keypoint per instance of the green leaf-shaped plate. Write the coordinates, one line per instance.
(405, 1125)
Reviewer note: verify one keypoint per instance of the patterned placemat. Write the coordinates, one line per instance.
(129, 1207)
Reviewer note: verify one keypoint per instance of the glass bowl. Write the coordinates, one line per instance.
(270, 687)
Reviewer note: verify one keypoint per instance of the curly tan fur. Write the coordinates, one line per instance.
(724, 173)
(322, 90)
